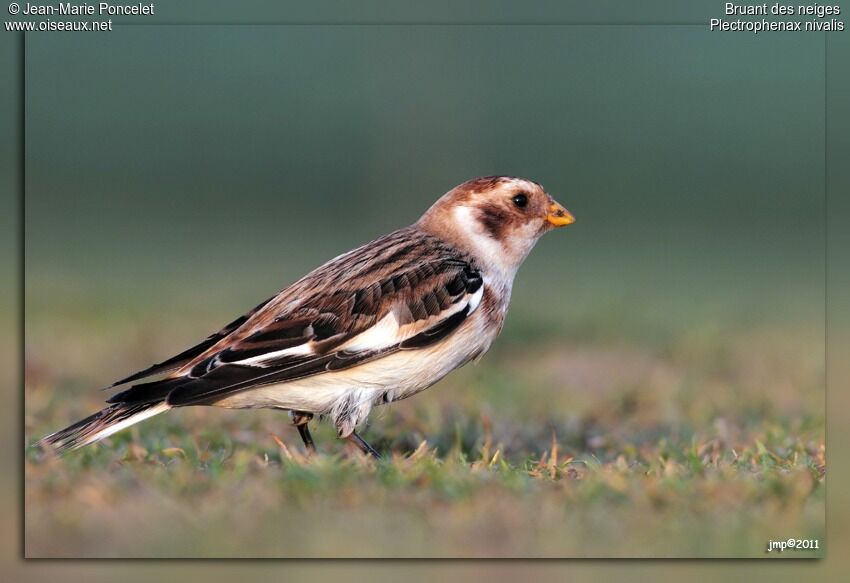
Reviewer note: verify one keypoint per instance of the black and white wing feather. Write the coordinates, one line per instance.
(405, 291)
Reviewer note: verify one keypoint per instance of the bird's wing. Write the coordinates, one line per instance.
(398, 293)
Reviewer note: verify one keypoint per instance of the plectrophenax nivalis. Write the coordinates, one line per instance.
(372, 326)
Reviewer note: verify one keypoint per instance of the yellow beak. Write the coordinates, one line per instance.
(559, 216)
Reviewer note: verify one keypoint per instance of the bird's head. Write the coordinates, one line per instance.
(497, 218)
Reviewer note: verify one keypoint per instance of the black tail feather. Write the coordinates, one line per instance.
(94, 427)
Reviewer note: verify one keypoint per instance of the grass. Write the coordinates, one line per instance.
(681, 441)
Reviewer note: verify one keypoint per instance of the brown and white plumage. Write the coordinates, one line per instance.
(376, 324)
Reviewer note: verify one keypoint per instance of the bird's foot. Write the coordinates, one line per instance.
(363, 446)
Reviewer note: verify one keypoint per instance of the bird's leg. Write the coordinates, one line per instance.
(300, 419)
(304, 432)
(364, 447)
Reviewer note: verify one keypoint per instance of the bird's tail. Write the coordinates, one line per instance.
(102, 424)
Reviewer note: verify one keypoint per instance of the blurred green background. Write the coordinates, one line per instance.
(189, 165)
(177, 175)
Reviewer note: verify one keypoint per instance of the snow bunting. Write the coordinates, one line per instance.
(374, 325)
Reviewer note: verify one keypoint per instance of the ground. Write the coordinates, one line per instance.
(699, 441)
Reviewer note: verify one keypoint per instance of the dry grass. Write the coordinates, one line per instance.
(702, 443)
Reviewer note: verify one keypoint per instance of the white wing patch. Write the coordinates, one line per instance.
(383, 334)
(388, 333)
(475, 299)
(305, 349)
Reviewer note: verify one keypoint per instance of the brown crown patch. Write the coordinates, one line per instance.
(482, 184)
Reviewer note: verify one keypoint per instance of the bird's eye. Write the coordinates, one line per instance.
(521, 200)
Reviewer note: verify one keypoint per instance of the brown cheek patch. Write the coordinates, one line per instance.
(494, 220)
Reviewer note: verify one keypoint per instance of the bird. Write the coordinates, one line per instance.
(372, 326)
